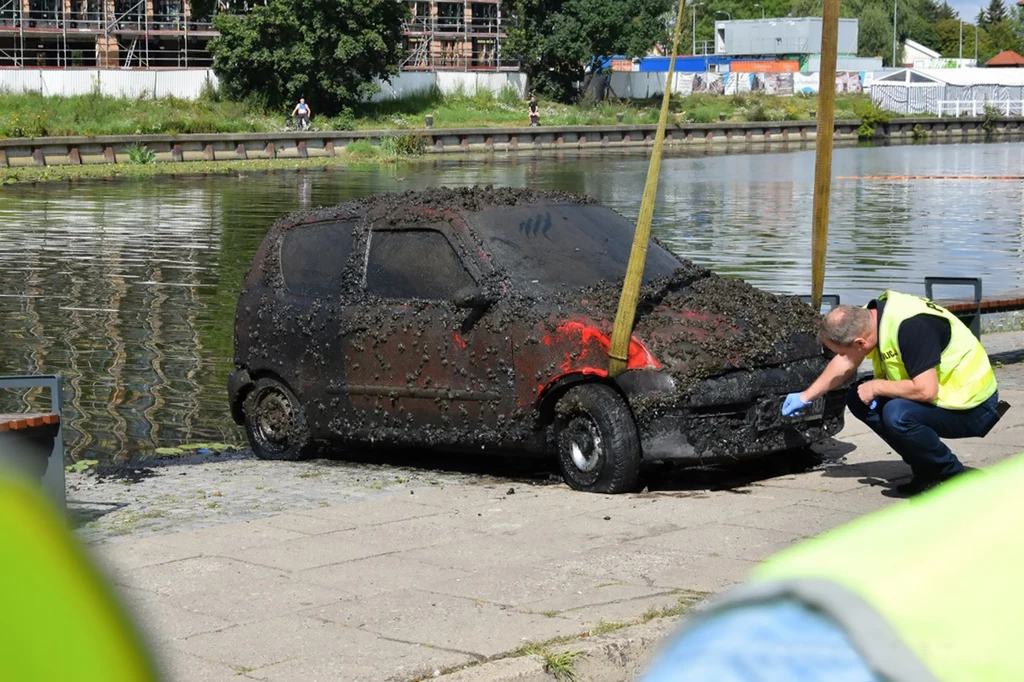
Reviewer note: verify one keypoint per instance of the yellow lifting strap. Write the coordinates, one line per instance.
(623, 329)
(823, 149)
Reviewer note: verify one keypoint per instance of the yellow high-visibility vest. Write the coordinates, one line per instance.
(60, 621)
(966, 378)
(925, 590)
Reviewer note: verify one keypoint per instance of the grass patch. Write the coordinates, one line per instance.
(33, 115)
(561, 666)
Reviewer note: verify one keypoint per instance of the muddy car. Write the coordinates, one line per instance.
(480, 319)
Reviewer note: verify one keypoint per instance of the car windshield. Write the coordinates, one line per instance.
(552, 247)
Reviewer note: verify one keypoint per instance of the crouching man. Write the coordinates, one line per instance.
(932, 380)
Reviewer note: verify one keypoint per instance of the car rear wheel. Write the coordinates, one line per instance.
(597, 441)
(275, 422)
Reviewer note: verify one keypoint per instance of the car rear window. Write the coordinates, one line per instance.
(313, 258)
(414, 264)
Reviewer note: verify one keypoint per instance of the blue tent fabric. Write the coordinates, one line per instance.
(774, 641)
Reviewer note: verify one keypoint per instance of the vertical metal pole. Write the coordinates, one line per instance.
(894, 4)
(21, 32)
(185, 17)
(694, 31)
(63, 54)
(823, 154)
(145, 27)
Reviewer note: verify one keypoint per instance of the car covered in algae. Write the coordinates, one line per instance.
(479, 319)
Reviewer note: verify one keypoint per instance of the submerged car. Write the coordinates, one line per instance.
(480, 320)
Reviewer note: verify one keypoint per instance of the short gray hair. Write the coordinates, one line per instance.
(844, 324)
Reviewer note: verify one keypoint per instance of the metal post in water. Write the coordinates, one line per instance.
(823, 154)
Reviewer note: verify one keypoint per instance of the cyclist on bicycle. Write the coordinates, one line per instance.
(302, 110)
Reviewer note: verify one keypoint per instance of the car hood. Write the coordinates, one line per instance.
(697, 324)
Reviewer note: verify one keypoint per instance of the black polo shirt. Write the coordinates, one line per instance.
(922, 339)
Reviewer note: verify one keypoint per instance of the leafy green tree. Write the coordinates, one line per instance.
(556, 40)
(328, 51)
(875, 33)
(994, 13)
(998, 37)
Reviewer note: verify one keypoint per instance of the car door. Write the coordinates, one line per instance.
(421, 369)
(297, 336)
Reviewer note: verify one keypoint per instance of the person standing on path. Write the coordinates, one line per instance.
(932, 380)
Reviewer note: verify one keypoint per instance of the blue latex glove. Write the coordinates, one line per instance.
(794, 403)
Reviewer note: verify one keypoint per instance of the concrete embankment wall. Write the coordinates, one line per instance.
(190, 83)
(54, 151)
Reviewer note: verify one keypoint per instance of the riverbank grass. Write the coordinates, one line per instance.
(33, 115)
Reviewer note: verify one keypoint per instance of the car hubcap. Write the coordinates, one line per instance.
(274, 417)
(585, 445)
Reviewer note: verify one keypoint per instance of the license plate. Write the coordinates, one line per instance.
(769, 413)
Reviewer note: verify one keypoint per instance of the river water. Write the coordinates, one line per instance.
(127, 287)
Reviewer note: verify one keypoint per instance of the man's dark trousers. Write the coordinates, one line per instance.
(913, 430)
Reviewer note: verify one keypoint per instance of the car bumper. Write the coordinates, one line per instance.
(733, 415)
(239, 383)
(732, 433)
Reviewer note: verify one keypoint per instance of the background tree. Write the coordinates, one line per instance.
(994, 13)
(555, 40)
(328, 51)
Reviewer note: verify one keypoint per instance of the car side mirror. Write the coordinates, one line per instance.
(472, 297)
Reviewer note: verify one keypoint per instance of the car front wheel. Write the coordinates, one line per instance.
(275, 422)
(597, 441)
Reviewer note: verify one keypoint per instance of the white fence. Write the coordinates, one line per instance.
(972, 107)
(411, 82)
(947, 100)
(183, 83)
(189, 83)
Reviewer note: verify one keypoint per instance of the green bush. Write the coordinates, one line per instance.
(140, 153)
(409, 144)
(870, 116)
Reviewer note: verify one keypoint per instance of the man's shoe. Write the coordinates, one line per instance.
(920, 484)
(917, 485)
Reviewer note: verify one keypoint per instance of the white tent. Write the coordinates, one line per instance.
(950, 92)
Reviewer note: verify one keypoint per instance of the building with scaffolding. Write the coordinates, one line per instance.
(455, 36)
(109, 34)
(103, 34)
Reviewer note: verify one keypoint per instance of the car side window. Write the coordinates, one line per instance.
(313, 258)
(414, 264)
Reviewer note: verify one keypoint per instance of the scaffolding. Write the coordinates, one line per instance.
(102, 34)
(455, 36)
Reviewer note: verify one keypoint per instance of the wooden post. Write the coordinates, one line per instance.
(823, 155)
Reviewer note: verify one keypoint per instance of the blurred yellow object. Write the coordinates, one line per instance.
(60, 620)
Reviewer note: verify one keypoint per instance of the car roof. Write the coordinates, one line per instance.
(443, 199)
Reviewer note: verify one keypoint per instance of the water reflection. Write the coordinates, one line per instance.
(128, 288)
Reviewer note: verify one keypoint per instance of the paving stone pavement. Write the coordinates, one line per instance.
(405, 581)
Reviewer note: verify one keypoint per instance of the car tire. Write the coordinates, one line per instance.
(275, 422)
(597, 442)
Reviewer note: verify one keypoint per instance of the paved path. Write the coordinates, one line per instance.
(411, 574)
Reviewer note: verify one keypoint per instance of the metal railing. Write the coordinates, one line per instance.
(973, 107)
